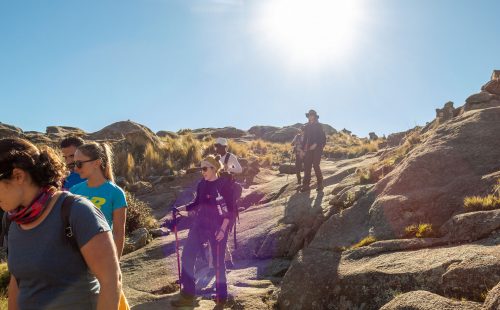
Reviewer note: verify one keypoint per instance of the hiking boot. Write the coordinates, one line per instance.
(222, 301)
(184, 300)
(305, 188)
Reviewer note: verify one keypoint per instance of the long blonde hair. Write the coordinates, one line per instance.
(101, 151)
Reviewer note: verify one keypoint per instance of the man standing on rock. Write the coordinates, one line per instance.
(313, 144)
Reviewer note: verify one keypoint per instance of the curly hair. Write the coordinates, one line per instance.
(42, 163)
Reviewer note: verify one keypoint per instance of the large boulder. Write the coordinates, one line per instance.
(422, 300)
(492, 87)
(370, 281)
(430, 184)
(124, 129)
(226, 132)
(260, 131)
(492, 301)
(9, 131)
(481, 100)
(63, 131)
(137, 239)
(285, 134)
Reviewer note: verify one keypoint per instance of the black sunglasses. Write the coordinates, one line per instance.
(79, 163)
(205, 168)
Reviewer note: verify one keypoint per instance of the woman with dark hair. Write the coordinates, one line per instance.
(47, 271)
(93, 161)
(213, 215)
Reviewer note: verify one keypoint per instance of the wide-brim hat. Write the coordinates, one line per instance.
(312, 112)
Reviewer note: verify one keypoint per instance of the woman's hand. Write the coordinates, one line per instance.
(219, 235)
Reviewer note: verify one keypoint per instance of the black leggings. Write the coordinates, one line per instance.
(196, 238)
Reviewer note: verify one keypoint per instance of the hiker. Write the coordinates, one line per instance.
(212, 213)
(313, 144)
(68, 148)
(50, 270)
(93, 161)
(299, 153)
(231, 167)
(230, 162)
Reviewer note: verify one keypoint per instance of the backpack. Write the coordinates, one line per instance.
(237, 189)
(65, 214)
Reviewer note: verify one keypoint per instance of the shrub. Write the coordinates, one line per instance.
(364, 242)
(367, 176)
(138, 215)
(478, 203)
(4, 283)
(419, 231)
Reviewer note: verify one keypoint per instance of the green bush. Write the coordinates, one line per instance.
(138, 215)
(4, 283)
(423, 230)
(364, 242)
(477, 203)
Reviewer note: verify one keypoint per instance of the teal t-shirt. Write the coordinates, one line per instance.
(107, 197)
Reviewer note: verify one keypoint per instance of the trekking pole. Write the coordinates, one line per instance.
(174, 215)
(217, 275)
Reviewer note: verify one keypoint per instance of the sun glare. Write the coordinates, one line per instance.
(309, 33)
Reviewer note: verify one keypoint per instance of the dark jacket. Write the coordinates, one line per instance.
(207, 213)
(313, 134)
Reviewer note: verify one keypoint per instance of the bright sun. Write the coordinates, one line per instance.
(310, 33)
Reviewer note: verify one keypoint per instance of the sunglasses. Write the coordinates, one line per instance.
(204, 169)
(79, 163)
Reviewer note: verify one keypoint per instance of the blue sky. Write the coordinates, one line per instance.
(172, 64)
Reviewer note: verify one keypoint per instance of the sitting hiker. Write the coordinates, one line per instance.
(212, 213)
(51, 269)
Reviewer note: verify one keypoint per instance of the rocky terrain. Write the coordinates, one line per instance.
(389, 231)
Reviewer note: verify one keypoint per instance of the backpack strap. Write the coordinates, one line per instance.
(226, 159)
(65, 215)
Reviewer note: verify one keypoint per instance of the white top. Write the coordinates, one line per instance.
(233, 166)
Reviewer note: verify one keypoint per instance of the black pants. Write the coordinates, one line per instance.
(196, 238)
(299, 162)
(312, 159)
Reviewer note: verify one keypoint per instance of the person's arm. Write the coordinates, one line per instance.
(13, 293)
(219, 235)
(234, 165)
(190, 206)
(227, 193)
(100, 255)
(119, 219)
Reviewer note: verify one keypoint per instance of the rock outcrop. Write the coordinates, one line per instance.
(422, 300)
(427, 186)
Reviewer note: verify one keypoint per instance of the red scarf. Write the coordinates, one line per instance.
(26, 215)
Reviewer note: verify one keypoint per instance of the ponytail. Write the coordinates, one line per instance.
(101, 151)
